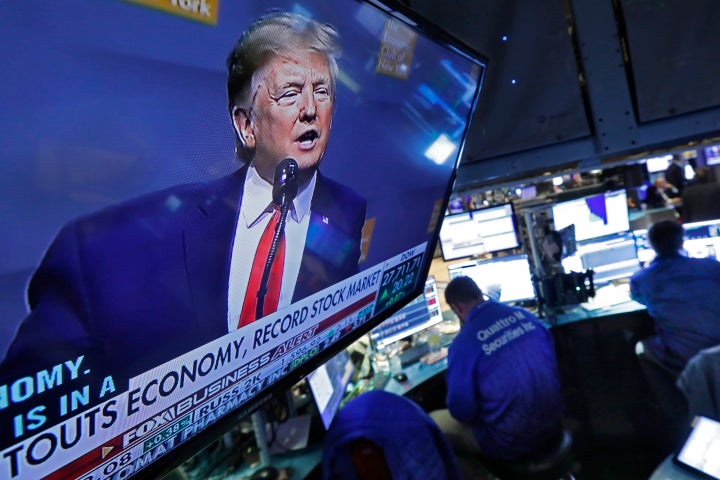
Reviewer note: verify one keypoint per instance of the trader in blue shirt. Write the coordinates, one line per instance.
(503, 388)
(681, 295)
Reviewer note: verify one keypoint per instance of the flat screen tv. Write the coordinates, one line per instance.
(172, 255)
(476, 232)
(594, 216)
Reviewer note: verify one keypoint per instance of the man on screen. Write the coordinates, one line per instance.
(140, 283)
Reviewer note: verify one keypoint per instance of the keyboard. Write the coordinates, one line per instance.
(414, 354)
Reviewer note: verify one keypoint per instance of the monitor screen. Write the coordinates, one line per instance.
(702, 239)
(328, 384)
(594, 216)
(701, 450)
(528, 192)
(569, 242)
(644, 250)
(161, 276)
(712, 155)
(419, 314)
(612, 258)
(658, 164)
(505, 279)
(478, 231)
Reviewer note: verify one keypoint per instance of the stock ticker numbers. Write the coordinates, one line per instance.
(398, 281)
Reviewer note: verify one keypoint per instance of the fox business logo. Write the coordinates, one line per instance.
(204, 11)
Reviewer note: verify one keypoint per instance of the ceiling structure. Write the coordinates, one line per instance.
(574, 85)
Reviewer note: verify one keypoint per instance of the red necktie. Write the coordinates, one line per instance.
(272, 296)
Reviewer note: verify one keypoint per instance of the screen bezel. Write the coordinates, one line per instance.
(445, 255)
(165, 464)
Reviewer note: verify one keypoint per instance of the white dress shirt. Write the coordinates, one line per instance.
(255, 213)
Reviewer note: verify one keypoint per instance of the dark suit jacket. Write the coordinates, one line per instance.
(138, 284)
(675, 176)
(701, 201)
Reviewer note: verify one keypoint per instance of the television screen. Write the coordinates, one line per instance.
(419, 314)
(195, 211)
(478, 231)
(594, 216)
(328, 383)
(505, 279)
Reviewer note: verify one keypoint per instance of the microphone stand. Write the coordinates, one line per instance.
(284, 190)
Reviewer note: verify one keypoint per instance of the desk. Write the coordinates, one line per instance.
(609, 301)
(595, 345)
(417, 373)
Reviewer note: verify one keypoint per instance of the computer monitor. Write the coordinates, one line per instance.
(569, 241)
(712, 155)
(528, 191)
(658, 164)
(137, 181)
(477, 232)
(594, 216)
(644, 250)
(702, 239)
(611, 258)
(505, 279)
(328, 384)
(421, 313)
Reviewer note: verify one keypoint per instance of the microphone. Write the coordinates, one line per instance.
(285, 185)
(285, 188)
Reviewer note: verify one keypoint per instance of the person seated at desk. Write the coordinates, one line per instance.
(662, 194)
(701, 199)
(681, 296)
(503, 386)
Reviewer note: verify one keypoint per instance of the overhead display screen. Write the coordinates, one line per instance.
(195, 199)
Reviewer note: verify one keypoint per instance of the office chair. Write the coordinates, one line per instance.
(699, 383)
(381, 436)
(552, 463)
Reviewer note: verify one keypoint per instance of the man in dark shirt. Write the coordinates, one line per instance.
(675, 173)
(681, 296)
(504, 396)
